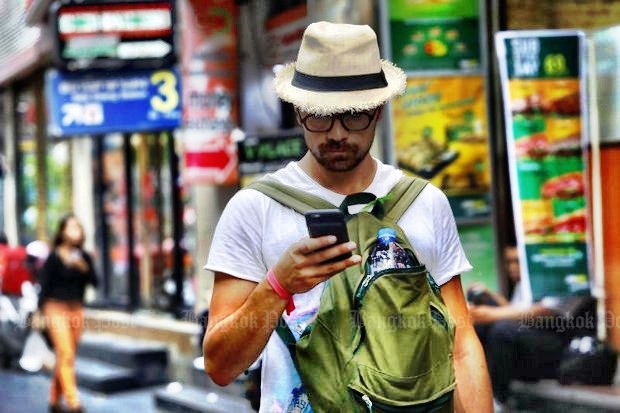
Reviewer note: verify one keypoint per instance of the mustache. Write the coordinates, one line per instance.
(336, 146)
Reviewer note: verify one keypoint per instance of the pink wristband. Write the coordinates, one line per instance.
(281, 291)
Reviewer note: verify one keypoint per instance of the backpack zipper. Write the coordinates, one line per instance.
(368, 402)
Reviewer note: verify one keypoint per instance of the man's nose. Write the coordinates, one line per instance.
(338, 131)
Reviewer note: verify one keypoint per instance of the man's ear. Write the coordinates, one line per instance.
(380, 112)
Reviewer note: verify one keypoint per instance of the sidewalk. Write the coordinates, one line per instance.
(28, 393)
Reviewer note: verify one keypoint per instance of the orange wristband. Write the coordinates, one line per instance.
(281, 291)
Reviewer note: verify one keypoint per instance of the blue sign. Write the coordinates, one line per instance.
(119, 101)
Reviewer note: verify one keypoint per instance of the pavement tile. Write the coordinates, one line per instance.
(28, 393)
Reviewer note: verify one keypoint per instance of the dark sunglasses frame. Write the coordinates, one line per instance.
(340, 117)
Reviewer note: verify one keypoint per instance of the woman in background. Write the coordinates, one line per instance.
(64, 277)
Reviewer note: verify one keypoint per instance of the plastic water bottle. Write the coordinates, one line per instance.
(388, 254)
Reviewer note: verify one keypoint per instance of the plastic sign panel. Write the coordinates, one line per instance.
(543, 89)
(134, 101)
(95, 35)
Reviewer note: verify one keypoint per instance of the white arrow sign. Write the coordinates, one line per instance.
(141, 50)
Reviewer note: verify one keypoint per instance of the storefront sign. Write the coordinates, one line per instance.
(114, 34)
(263, 153)
(543, 88)
(132, 101)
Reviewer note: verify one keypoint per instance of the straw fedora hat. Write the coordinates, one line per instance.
(338, 69)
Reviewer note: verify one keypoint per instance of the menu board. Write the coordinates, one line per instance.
(542, 79)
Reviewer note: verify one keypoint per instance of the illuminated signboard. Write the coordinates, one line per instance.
(113, 35)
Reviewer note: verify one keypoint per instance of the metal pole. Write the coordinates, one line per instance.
(177, 225)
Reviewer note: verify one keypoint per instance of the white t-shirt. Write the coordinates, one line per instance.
(254, 230)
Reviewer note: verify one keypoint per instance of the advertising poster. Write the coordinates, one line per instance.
(440, 132)
(544, 101)
(431, 35)
(210, 91)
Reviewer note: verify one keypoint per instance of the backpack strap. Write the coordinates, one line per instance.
(294, 198)
(402, 196)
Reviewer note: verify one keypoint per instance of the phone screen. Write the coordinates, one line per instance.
(322, 222)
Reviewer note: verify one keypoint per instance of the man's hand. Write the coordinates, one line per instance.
(303, 266)
(484, 314)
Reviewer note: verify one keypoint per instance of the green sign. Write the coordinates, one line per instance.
(259, 154)
(557, 269)
(436, 44)
(407, 9)
(543, 57)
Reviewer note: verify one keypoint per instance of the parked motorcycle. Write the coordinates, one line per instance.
(20, 345)
(14, 324)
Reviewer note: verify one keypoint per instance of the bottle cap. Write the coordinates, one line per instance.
(386, 234)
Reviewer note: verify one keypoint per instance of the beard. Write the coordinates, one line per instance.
(338, 156)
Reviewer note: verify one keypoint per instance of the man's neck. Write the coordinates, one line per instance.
(349, 182)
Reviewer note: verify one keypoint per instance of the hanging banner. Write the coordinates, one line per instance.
(284, 28)
(210, 91)
(426, 35)
(440, 131)
(543, 89)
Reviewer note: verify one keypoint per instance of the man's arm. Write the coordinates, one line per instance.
(484, 314)
(243, 314)
(473, 389)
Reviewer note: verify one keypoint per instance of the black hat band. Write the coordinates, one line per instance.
(339, 83)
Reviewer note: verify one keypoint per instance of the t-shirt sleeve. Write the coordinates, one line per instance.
(236, 244)
(450, 256)
(431, 228)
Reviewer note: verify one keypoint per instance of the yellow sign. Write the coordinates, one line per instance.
(441, 134)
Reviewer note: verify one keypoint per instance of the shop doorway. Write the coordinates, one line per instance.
(141, 235)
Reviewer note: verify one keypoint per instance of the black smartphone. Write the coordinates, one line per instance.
(322, 222)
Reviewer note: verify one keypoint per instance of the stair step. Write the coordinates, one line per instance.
(557, 398)
(104, 377)
(177, 397)
(149, 359)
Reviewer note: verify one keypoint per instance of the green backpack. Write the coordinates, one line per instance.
(383, 344)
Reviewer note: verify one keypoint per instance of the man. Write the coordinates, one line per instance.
(524, 339)
(338, 86)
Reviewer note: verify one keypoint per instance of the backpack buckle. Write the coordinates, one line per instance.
(371, 204)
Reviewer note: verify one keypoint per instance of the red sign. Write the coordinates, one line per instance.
(210, 90)
(209, 158)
